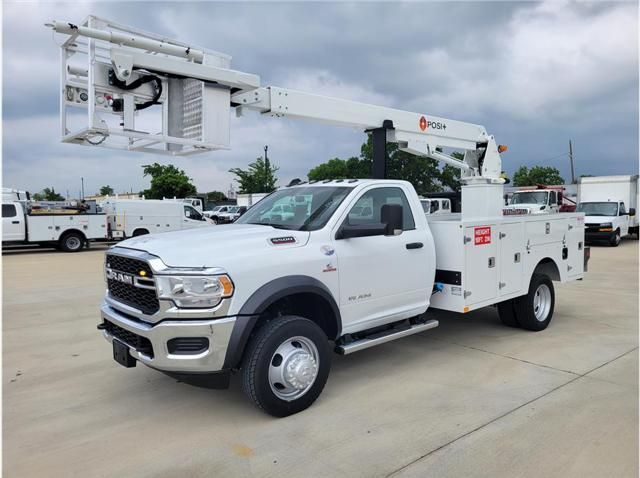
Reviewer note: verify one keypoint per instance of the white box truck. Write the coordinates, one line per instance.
(136, 217)
(609, 204)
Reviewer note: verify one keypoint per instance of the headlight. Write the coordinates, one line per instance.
(607, 226)
(194, 291)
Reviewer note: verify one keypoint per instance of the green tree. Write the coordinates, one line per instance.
(216, 196)
(422, 172)
(450, 176)
(48, 194)
(167, 181)
(259, 177)
(106, 191)
(337, 168)
(547, 175)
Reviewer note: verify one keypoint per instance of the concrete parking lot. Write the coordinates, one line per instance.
(470, 398)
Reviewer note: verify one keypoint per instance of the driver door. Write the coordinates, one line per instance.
(381, 279)
(192, 218)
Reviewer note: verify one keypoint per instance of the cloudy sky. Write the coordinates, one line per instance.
(534, 74)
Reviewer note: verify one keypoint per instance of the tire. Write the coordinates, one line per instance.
(214, 220)
(615, 239)
(507, 313)
(281, 342)
(140, 232)
(71, 242)
(534, 311)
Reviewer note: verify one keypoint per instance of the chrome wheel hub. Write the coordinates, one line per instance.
(542, 302)
(293, 368)
(73, 243)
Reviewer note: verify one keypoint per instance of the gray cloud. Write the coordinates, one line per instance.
(535, 74)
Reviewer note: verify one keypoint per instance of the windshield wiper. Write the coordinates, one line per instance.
(275, 226)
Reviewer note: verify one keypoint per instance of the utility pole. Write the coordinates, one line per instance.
(573, 175)
(82, 193)
(266, 168)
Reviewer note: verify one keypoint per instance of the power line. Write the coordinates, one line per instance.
(554, 157)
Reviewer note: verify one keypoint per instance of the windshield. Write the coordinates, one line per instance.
(234, 209)
(598, 208)
(298, 209)
(531, 197)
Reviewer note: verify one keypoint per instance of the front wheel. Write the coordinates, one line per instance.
(286, 365)
(535, 310)
(615, 239)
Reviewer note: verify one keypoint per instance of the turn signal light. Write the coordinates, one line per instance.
(502, 148)
(227, 286)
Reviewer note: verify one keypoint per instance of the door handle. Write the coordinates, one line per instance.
(15, 222)
(414, 245)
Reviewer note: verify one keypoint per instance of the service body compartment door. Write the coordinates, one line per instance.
(545, 229)
(575, 246)
(512, 252)
(481, 271)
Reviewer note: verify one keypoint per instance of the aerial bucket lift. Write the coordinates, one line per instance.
(143, 92)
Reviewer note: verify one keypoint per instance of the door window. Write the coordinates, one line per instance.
(8, 210)
(367, 210)
(191, 213)
(623, 210)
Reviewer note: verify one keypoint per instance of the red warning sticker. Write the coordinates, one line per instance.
(481, 235)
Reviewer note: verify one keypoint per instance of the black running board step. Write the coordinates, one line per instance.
(381, 339)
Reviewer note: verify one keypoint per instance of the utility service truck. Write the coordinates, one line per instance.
(67, 232)
(356, 264)
(137, 217)
(609, 204)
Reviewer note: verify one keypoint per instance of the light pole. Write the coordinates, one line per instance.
(266, 168)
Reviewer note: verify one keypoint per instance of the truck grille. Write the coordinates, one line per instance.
(141, 344)
(140, 298)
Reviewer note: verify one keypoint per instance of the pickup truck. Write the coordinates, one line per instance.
(271, 296)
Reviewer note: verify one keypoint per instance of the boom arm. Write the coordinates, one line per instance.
(134, 53)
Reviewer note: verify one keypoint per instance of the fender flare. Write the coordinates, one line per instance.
(260, 301)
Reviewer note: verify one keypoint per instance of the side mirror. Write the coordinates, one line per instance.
(390, 225)
(632, 211)
(391, 215)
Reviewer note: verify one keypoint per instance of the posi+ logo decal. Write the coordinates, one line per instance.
(424, 123)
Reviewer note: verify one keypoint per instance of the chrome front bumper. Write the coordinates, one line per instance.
(218, 331)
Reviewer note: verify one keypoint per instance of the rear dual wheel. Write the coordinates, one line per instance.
(533, 311)
(71, 242)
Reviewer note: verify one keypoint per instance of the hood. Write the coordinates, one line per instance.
(598, 219)
(215, 246)
(529, 206)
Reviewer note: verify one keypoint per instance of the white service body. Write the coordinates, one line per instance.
(132, 217)
(20, 227)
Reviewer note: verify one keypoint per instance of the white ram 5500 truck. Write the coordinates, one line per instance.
(271, 297)
(342, 265)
